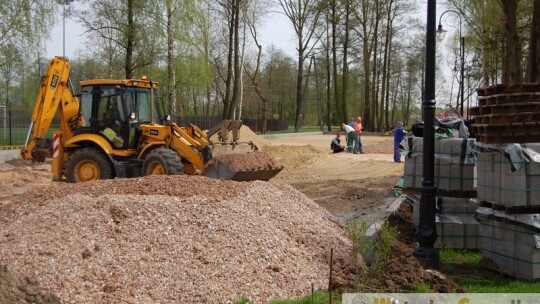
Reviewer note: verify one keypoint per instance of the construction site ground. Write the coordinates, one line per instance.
(347, 185)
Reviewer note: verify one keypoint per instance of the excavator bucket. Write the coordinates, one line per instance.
(225, 148)
(249, 166)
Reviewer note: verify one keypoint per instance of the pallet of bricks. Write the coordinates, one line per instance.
(456, 226)
(508, 167)
(455, 180)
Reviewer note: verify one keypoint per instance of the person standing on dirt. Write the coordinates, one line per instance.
(399, 134)
(336, 144)
(357, 140)
(349, 130)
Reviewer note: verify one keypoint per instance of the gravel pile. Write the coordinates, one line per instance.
(199, 241)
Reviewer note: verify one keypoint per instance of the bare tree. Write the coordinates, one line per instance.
(304, 16)
(126, 24)
(253, 17)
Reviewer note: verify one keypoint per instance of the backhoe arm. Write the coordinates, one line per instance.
(53, 93)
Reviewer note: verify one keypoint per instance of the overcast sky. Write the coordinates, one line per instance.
(277, 30)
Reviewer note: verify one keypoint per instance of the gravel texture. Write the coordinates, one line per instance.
(199, 241)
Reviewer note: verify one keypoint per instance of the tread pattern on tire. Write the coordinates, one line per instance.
(105, 167)
(169, 160)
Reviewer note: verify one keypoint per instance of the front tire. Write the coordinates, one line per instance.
(88, 164)
(162, 161)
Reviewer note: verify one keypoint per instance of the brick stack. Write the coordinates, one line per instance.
(454, 164)
(455, 180)
(507, 127)
(456, 225)
(507, 114)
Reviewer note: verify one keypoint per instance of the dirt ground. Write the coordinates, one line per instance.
(348, 185)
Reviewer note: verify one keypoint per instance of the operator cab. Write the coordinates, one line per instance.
(113, 109)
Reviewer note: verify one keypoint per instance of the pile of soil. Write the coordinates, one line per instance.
(17, 289)
(251, 161)
(200, 241)
(404, 272)
(246, 135)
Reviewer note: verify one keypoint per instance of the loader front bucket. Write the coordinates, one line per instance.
(249, 166)
(225, 148)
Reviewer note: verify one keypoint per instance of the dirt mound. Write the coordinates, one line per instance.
(200, 241)
(246, 134)
(404, 271)
(295, 157)
(16, 289)
(257, 160)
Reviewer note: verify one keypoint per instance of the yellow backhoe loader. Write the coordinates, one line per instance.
(117, 128)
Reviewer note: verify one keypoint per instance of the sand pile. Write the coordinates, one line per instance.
(246, 135)
(199, 241)
(294, 157)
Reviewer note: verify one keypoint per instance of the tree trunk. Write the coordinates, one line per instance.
(230, 51)
(130, 31)
(170, 61)
(299, 91)
(328, 82)
(512, 72)
(345, 78)
(237, 71)
(335, 77)
(533, 67)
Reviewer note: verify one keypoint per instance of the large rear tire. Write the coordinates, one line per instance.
(88, 164)
(162, 161)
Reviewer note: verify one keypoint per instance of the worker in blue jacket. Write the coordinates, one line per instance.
(399, 134)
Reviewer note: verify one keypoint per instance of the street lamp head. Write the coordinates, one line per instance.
(440, 32)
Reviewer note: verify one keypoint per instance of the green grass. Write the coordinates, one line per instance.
(422, 288)
(319, 297)
(18, 136)
(302, 130)
(463, 267)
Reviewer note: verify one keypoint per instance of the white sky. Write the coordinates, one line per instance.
(277, 31)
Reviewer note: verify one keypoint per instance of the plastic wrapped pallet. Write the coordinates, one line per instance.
(454, 163)
(457, 230)
(456, 225)
(511, 242)
(509, 175)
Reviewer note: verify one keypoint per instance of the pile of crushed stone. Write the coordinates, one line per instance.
(17, 289)
(173, 239)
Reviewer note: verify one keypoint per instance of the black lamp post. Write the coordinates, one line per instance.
(426, 253)
(440, 34)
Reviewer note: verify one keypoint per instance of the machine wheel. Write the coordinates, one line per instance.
(162, 161)
(88, 164)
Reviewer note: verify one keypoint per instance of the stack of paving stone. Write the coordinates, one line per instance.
(507, 128)
(456, 225)
(507, 114)
(454, 165)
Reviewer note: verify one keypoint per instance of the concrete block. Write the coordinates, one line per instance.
(533, 190)
(527, 271)
(444, 176)
(410, 172)
(487, 247)
(512, 248)
(533, 168)
(451, 235)
(460, 205)
(486, 229)
(501, 231)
